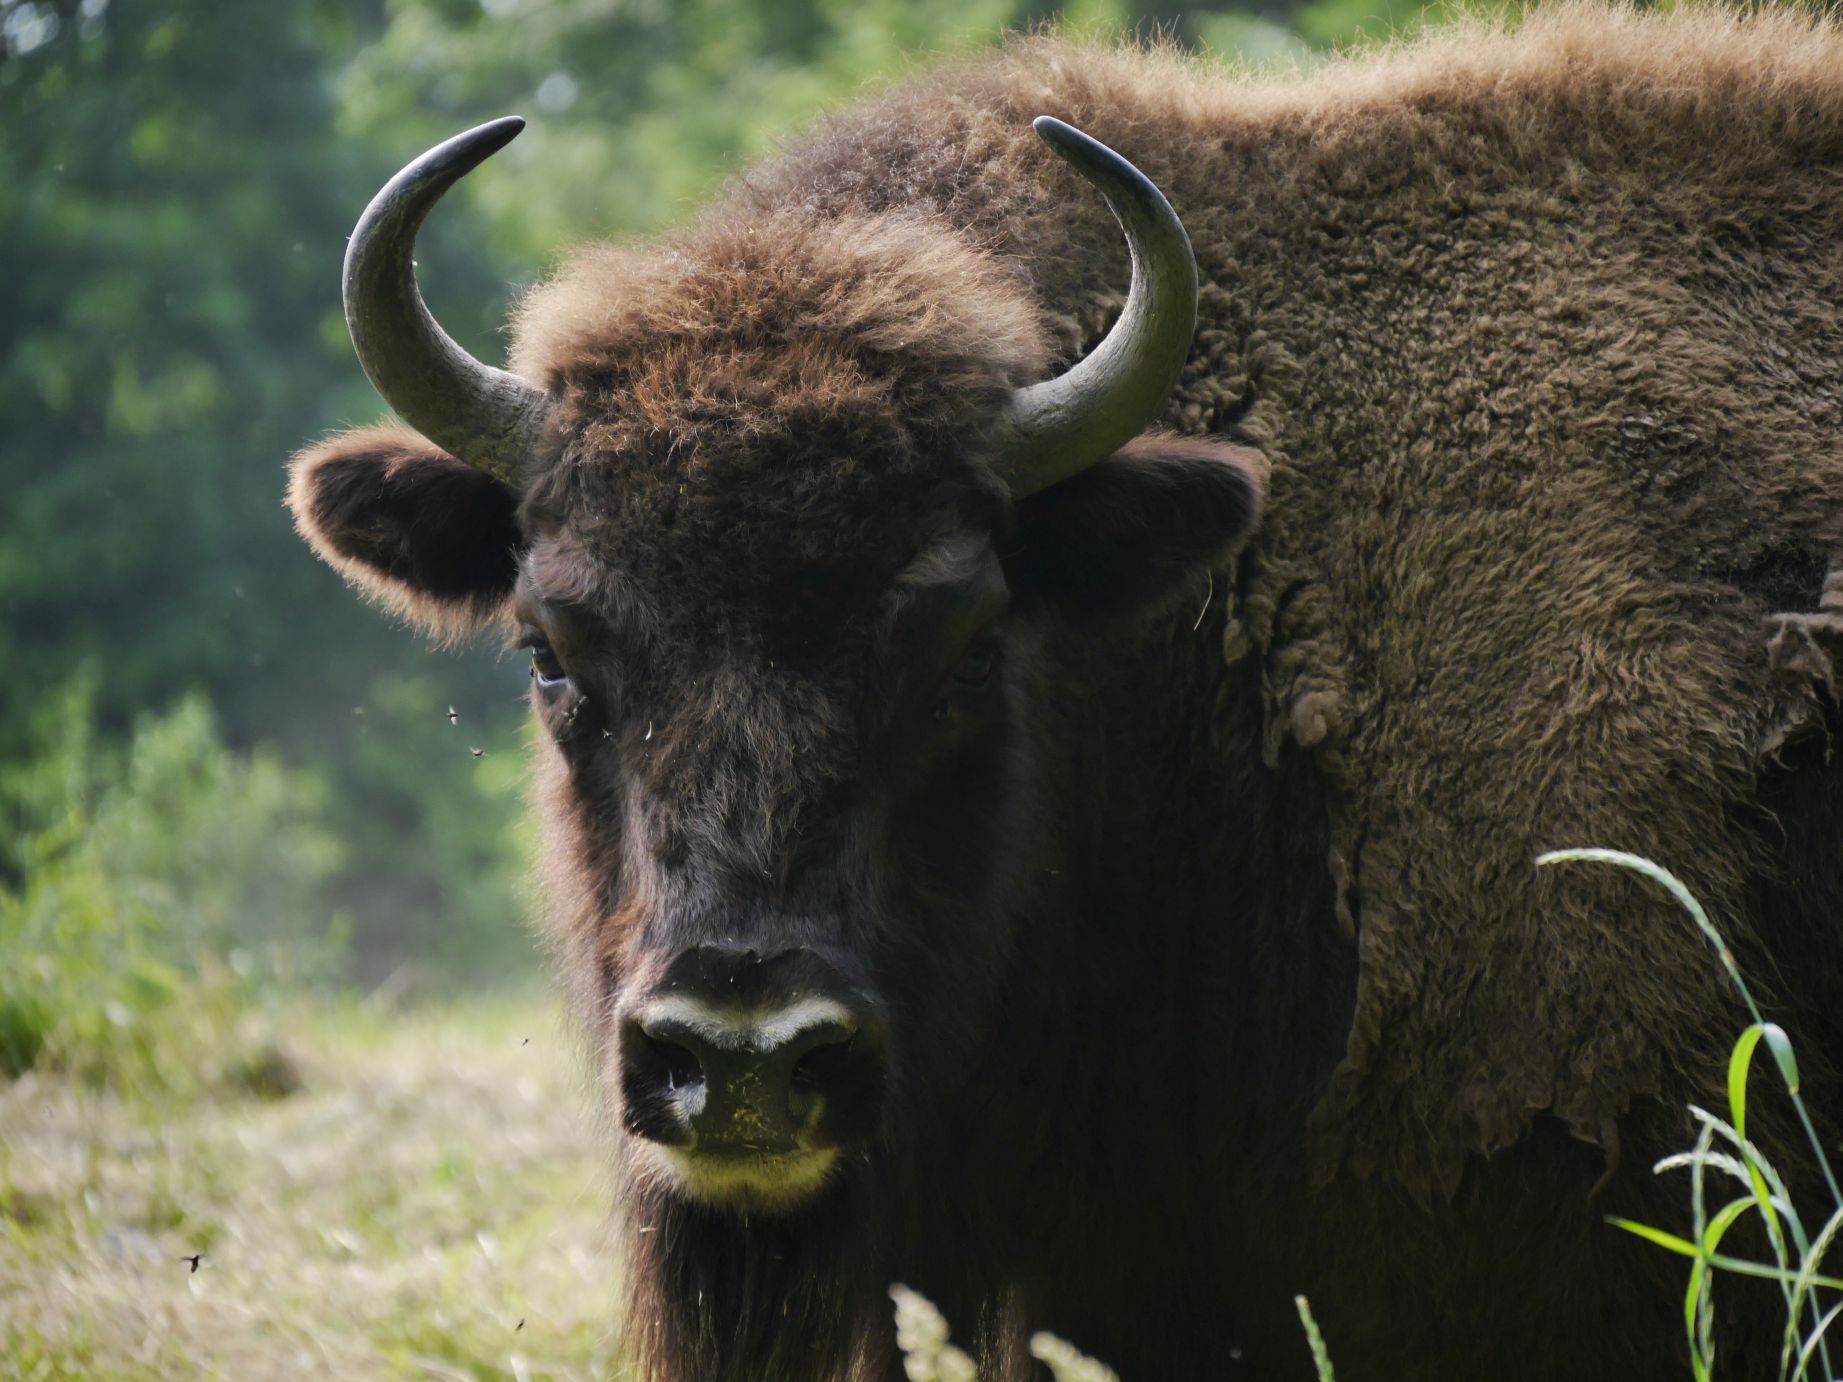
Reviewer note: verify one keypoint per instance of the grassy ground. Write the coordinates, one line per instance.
(431, 1184)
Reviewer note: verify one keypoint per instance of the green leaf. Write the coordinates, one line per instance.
(1670, 1241)
(1740, 1266)
(1723, 1221)
(1740, 1062)
(1781, 1046)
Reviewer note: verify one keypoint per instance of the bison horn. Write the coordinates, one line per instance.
(481, 415)
(1054, 429)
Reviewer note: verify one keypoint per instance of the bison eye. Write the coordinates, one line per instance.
(978, 665)
(546, 670)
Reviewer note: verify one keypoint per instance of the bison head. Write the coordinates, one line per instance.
(805, 551)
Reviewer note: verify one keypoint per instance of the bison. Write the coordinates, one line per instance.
(1041, 789)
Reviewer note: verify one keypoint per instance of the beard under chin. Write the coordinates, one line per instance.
(726, 1295)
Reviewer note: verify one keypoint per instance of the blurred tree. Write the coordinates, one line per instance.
(642, 106)
(179, 190)
(160, 329)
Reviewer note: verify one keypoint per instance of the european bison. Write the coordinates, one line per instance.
(982, 858)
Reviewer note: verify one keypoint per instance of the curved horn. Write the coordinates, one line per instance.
(1064, 425)
(481, 415)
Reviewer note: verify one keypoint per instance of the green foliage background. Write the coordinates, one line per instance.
(208, 745)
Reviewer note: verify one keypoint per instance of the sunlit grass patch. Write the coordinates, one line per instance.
(435, 1182)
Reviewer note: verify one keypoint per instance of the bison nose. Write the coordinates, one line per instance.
(802, 1076)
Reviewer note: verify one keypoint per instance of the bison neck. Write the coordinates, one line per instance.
(1130, 1104)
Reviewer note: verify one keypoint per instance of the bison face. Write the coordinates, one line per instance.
(799, 555)
(798, 782)
(798, 796)
(778, 830)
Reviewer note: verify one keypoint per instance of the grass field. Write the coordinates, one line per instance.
(430, 1184)
(417, 1194)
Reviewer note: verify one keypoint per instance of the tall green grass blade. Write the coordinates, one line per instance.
(1696, 1315)
(1684, 1248)
(1767, 1189)
(1702, 1285)
(1723, 1221)
(1781, 1046)
(1664, 1239)
(1756, 1173)
(1702, 1277)
(1754, 1161)
(1638, 864)
(1740, 1064)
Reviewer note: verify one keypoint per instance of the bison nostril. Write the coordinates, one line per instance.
(680, 1067)
(835, 1085)
(662, 1084)
(818, 1076)
(824, 1065)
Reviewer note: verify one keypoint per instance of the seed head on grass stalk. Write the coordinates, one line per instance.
(1321, 1356)
(1776, 1039)
(921, 1334)
(1066, 1362)
(927, 1356)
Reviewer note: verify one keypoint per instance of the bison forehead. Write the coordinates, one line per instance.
(783, 398)
(732, 503)
(787, 567)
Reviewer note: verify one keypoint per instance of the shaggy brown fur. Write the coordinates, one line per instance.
(1536, 332)
(1540, 332)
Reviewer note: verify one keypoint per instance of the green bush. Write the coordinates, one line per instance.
(145, 891)
(439, 842)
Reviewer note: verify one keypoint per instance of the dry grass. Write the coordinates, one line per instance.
(433, 1183)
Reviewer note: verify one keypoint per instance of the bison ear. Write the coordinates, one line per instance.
(430, 538)
(1129, 531)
